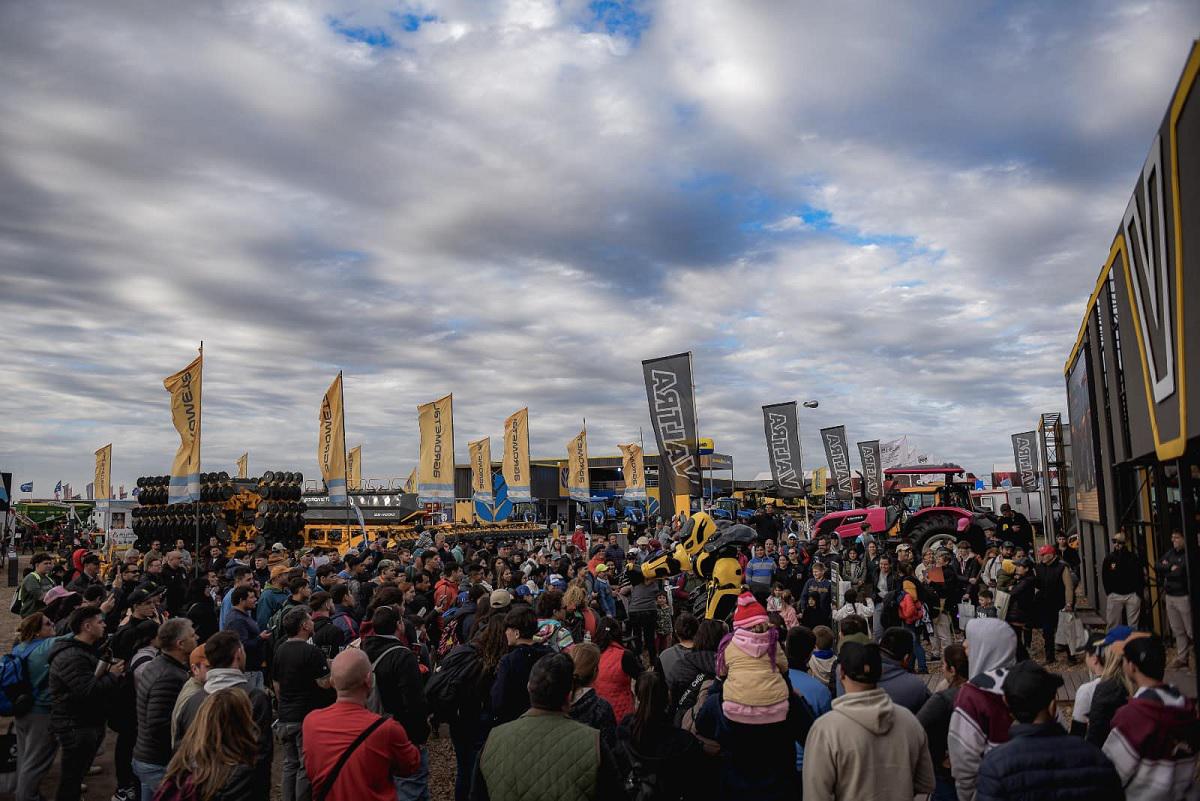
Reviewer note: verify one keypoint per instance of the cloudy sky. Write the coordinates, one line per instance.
(898, 211)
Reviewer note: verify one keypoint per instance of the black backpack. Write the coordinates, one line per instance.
(448, 686)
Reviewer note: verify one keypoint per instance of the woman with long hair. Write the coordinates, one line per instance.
(215, 760)
(586, 706)
(36, 746)
(665, 762)
(618, 668)
(1113, 690)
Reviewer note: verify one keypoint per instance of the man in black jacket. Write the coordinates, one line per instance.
(80, 692)
(1173, 574)
(158, 685)
(401, 692)
(1123, 582)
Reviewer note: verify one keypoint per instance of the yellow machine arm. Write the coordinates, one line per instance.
(708, 552)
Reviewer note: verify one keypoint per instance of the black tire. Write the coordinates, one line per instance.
(931, 530)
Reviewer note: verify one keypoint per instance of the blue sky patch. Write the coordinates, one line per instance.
(368, 35)
(411, 22)
(624, 18)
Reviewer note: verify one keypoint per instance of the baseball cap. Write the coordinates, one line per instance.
(860, 662)
(904, 546)
(600, 568)
(643, 540)
(278, 547)
(1029, 688)
(499, 599)
(1116, 634)
(278, 571)
(1008, 544)
(143, 594)
(1147, 655)
(1027, 562)
(523, 591)
(56, 592)
(1046, 550)
(557, 582)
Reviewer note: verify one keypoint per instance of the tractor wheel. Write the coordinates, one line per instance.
(933, 532)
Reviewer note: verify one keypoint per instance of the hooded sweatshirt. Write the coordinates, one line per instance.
(821, 663)
(1153, 744)
(867, 723)
(980, 720)
(755, 690)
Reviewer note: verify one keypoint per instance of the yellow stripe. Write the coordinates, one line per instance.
(1091, 304)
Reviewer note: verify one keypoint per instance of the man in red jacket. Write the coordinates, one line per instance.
(386, 750)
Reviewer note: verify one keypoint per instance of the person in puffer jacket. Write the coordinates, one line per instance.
(158, 687)
(980, 720)
(1041, 762)
(1155, 737)
(754, 664)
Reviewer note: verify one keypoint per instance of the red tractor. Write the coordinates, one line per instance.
(924, 515)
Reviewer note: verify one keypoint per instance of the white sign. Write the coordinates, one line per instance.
(121, 536)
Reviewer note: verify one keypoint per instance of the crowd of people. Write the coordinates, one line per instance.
(559, 671)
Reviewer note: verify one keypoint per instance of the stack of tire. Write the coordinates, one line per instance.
(155, 519)
(280, 514)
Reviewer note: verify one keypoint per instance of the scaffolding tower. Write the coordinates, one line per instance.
(1055, 490)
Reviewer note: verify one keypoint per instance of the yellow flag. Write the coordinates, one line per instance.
(578, 486)
(819, 477)
(411, 484)
(243, 465)
(102, 488)
(435, 476)
(481, 470)
(634, 470)
(331, 442)
(184, 387)
(515, 463)
(354, 467)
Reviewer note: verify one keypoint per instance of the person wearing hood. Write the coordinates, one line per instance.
(904, 687)
(226, 657)
(981, 720)
(1041, 762)
(81, 691)
(753, 663)
(865, 721)
(1155, 736)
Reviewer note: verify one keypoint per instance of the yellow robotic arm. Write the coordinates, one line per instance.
(711, 553)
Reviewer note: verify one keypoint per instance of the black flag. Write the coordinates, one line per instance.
(782, 427)
(837, 452)
(1026, 455)
(872, 464)
(673, 416)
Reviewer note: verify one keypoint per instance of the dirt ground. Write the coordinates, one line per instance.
(102, 785)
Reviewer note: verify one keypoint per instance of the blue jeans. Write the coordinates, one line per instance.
(416, 786)
(944, 789)
(465, 754)
(918, 649)
(150, 776)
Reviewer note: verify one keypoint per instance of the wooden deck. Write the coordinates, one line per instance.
(1075, 676)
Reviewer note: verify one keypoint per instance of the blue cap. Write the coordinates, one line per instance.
(523, 591)
(1117, 634)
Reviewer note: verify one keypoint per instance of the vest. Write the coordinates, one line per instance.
(541, 756)
(612, 683)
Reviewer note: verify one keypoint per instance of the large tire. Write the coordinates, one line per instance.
(935, 530)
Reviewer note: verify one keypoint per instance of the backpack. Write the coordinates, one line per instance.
(16, 690)
(444, 692)
(375, 699)
(449, 637)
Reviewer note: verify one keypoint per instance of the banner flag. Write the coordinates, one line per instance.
(578, 486)
(88, 490)
(57, 489)
(354, 467)
(121, 492)
(515, 462)
(102, 486)
(634, 470)
(837, 453)
(819, 477)
(410, 486)
(185, 388)
(672, 400)
(27, 486)
(781, 425)
(243, 465)
(331, 442)
(1025, 451)
(481, 470)
(6, 491)
(872, 464)
(435, 478)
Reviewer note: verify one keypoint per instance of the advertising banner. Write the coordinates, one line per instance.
(634, 470)
(184, 387)
(837, 453)
(435, 476)
(872, 464)
(819, 477)
(781, 425)
(1025, 452)
(102, 486)
(6, 490)
(481, 470)
(673, 415)
(243, 466)
(515, 461)
(411, 484)
(331, 441)
(354, 467)
(578, 486)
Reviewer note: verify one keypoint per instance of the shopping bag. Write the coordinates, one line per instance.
(1001, 598)
(966, 611)
(1071, 632)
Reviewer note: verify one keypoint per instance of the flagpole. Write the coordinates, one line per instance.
(345, 464)
(200, 442)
